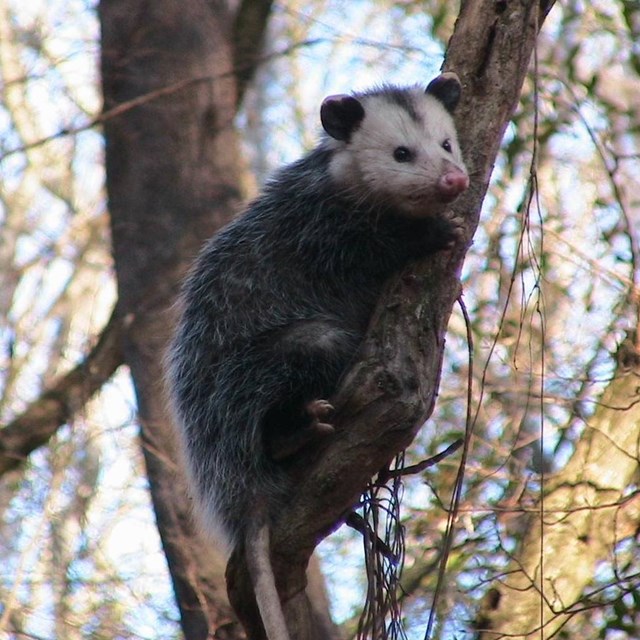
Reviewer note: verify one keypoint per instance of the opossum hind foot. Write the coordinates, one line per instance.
(284, 446)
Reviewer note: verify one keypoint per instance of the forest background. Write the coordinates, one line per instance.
(550, 284)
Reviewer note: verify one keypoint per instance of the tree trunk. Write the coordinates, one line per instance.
(391, 391)
(583, 516)
(172, 181)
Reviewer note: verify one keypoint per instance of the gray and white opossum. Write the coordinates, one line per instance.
(277, 303)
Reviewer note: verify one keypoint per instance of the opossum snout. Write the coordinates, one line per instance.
(452, 184)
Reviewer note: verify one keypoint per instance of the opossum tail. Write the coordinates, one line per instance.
(258, 556)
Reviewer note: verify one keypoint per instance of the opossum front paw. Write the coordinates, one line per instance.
(318, 411)
(456, 230)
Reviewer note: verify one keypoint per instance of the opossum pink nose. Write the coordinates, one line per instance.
(453, 183)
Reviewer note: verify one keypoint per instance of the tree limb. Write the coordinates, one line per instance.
(42, 418)
(391, 391)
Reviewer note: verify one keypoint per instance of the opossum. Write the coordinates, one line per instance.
(277, 303)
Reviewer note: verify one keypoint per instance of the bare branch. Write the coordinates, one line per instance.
(243, 72)
(42, 418)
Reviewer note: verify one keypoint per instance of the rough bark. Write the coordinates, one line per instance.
(584, 514)
(41, 419)
(391, 391)
(172, 181)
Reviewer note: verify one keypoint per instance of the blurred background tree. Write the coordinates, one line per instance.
(549, 516)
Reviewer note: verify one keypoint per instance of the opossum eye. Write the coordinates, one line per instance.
(402, 154)
(446, 145)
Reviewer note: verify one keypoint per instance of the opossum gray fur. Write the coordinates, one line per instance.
(277, 303)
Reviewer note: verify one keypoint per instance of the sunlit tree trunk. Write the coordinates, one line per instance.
(585, 512)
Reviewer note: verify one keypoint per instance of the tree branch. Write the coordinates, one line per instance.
(42, 418)
(391, 391)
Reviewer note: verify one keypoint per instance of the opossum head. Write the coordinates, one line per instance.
(398, 146)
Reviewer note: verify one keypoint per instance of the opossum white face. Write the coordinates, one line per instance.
(398, 146)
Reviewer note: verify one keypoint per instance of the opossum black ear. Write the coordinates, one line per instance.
(341, 115)
(446, 88)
